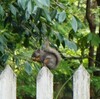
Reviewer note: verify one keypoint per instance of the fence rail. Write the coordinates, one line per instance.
(44, 88)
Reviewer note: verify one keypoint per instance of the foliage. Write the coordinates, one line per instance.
(24, 25)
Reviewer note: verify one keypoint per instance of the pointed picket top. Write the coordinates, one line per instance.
(81, 70)
(45, 84)
(81, 84)
(7, 84)
(44, 70)
(7, 70)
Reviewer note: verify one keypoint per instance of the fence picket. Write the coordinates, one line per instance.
(81, 84)
(45, 84)
(7, 84)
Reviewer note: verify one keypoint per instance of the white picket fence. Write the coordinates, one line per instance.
(81, 84)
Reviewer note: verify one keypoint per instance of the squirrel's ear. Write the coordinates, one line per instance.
(45, 45)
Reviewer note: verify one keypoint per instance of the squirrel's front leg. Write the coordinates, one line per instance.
(46, 62)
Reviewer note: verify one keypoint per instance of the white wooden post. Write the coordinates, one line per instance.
(7, 84)
(81, 84)
(44, 84)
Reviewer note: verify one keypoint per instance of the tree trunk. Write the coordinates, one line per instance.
(97, 73)
(98, 2)
(92, 26)
(98, 53)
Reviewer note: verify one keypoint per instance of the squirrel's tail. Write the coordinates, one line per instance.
(55, 53)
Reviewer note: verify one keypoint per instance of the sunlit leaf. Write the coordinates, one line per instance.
(62, 16)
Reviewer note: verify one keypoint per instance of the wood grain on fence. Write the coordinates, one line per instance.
(45, 84)
(81, 84)
(7, 84)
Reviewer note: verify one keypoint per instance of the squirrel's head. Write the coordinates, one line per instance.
(36, 56)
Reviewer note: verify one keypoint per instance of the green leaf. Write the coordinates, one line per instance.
(70, 44)
(44, 28)
(94, 39)
(1, 48)
(62, 16)
(80, 25)
(60, 37)
(74, 24)
(1, 11)
(27, 15)
(37, 67)
(46, 14)
(53, 14)
(28, 68)
(13, 9)
(73, 46)
(22, 3)
(89, 37)
(16, 59)
(4, 58)
(29, 7)
(44, 2)
(38, 13)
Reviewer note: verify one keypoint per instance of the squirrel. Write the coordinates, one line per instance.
(50, 57)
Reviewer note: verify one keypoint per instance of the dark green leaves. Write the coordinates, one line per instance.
(1, 11)
(53, 14)
(22, 3)
(38, 14)
(13, 10)
(46, 14)
(65, 42)
(3, 42)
